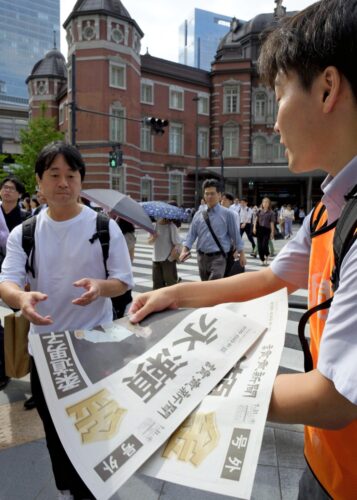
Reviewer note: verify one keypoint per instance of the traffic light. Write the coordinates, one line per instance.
(112, 159)
(115, 158)
(157, 125)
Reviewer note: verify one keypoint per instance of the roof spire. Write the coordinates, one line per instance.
(279, 10)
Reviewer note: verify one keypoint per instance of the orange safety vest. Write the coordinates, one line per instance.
(331, 454)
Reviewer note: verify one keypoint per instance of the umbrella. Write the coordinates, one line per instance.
(124, 206)
(162, 210)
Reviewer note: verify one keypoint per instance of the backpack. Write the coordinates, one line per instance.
(344, 237)
(28, 240)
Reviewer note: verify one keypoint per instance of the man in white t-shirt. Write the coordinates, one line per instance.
(70, 289)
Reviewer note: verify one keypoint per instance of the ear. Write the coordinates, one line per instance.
(330, 88)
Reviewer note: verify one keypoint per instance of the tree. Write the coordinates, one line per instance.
(40, 131)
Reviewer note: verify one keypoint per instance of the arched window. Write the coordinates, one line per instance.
(259, 149)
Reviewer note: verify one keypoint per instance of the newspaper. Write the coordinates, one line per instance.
(116, 393)
(217, 447)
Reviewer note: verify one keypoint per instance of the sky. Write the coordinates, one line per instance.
(160, 20)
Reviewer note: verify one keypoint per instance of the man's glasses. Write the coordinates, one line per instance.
(6, 187)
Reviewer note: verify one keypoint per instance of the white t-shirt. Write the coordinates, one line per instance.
(167, 237)
(63, 255)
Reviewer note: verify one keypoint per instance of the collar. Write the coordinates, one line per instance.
(214, 209)
(335, 189)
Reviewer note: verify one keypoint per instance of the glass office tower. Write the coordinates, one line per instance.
(28, 29)
(199, 36)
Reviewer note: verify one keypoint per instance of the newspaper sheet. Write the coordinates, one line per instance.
(116, 393)
(217, 447)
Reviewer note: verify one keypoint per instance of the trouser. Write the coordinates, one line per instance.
(263, 237)
(119, 303)
(288, 227)
(247, 229)
(164, 274)
(211, 267)
(66, 476)
(310, 488)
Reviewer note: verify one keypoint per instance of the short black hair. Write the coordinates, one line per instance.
(322, 35)
(211, 183)
(20, 188)
(229, 196)
(70, 153)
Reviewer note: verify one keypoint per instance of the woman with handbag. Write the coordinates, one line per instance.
(264, 227)
(167, 247)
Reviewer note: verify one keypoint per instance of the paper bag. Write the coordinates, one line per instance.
(17, 359)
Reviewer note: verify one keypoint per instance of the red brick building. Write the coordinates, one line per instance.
(219, 121)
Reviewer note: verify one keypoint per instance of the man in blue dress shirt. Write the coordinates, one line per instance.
(211, 260)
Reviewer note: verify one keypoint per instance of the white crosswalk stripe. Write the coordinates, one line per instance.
(292, 358)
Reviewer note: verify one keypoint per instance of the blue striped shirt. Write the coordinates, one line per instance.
(225, 226)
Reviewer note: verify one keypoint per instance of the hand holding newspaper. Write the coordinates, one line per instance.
(118, 392)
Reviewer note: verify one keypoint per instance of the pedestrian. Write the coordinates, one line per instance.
(227, 201)
(70, 289)
(289, 217)
(215, 229)
(246, 217)
(302, 215)
(264, 228)
(167, 247)
(11, 214)
(236, 205)
(307, 59)
(281, 219)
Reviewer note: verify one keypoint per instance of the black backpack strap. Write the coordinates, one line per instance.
(308, 365)
(28, 243)
(345, 234)
(207, 221)
(102, 233)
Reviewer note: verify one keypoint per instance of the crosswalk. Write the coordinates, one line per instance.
(292, 358)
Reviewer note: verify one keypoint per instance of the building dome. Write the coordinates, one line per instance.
(240, 30)
(53, 65)
(113, 8)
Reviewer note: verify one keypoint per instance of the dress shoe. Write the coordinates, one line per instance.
(30, 404)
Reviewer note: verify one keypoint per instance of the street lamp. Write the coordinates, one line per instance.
(197, 200)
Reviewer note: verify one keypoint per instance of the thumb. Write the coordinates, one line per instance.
(81, 283)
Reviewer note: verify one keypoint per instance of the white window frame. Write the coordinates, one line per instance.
(278, 150)
(61, 114)
(146, 138)
(150, 182)
(177, 94)
(147, 84)
(231, 98)
(117, 128)
(260, 150)
(203, 142)
(203, 104)
(113, 66)
(231, 141)
(117, 179)
(176, 179)
(260, 106)
(176, 139)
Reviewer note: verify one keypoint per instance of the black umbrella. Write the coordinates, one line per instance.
(121, 204)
